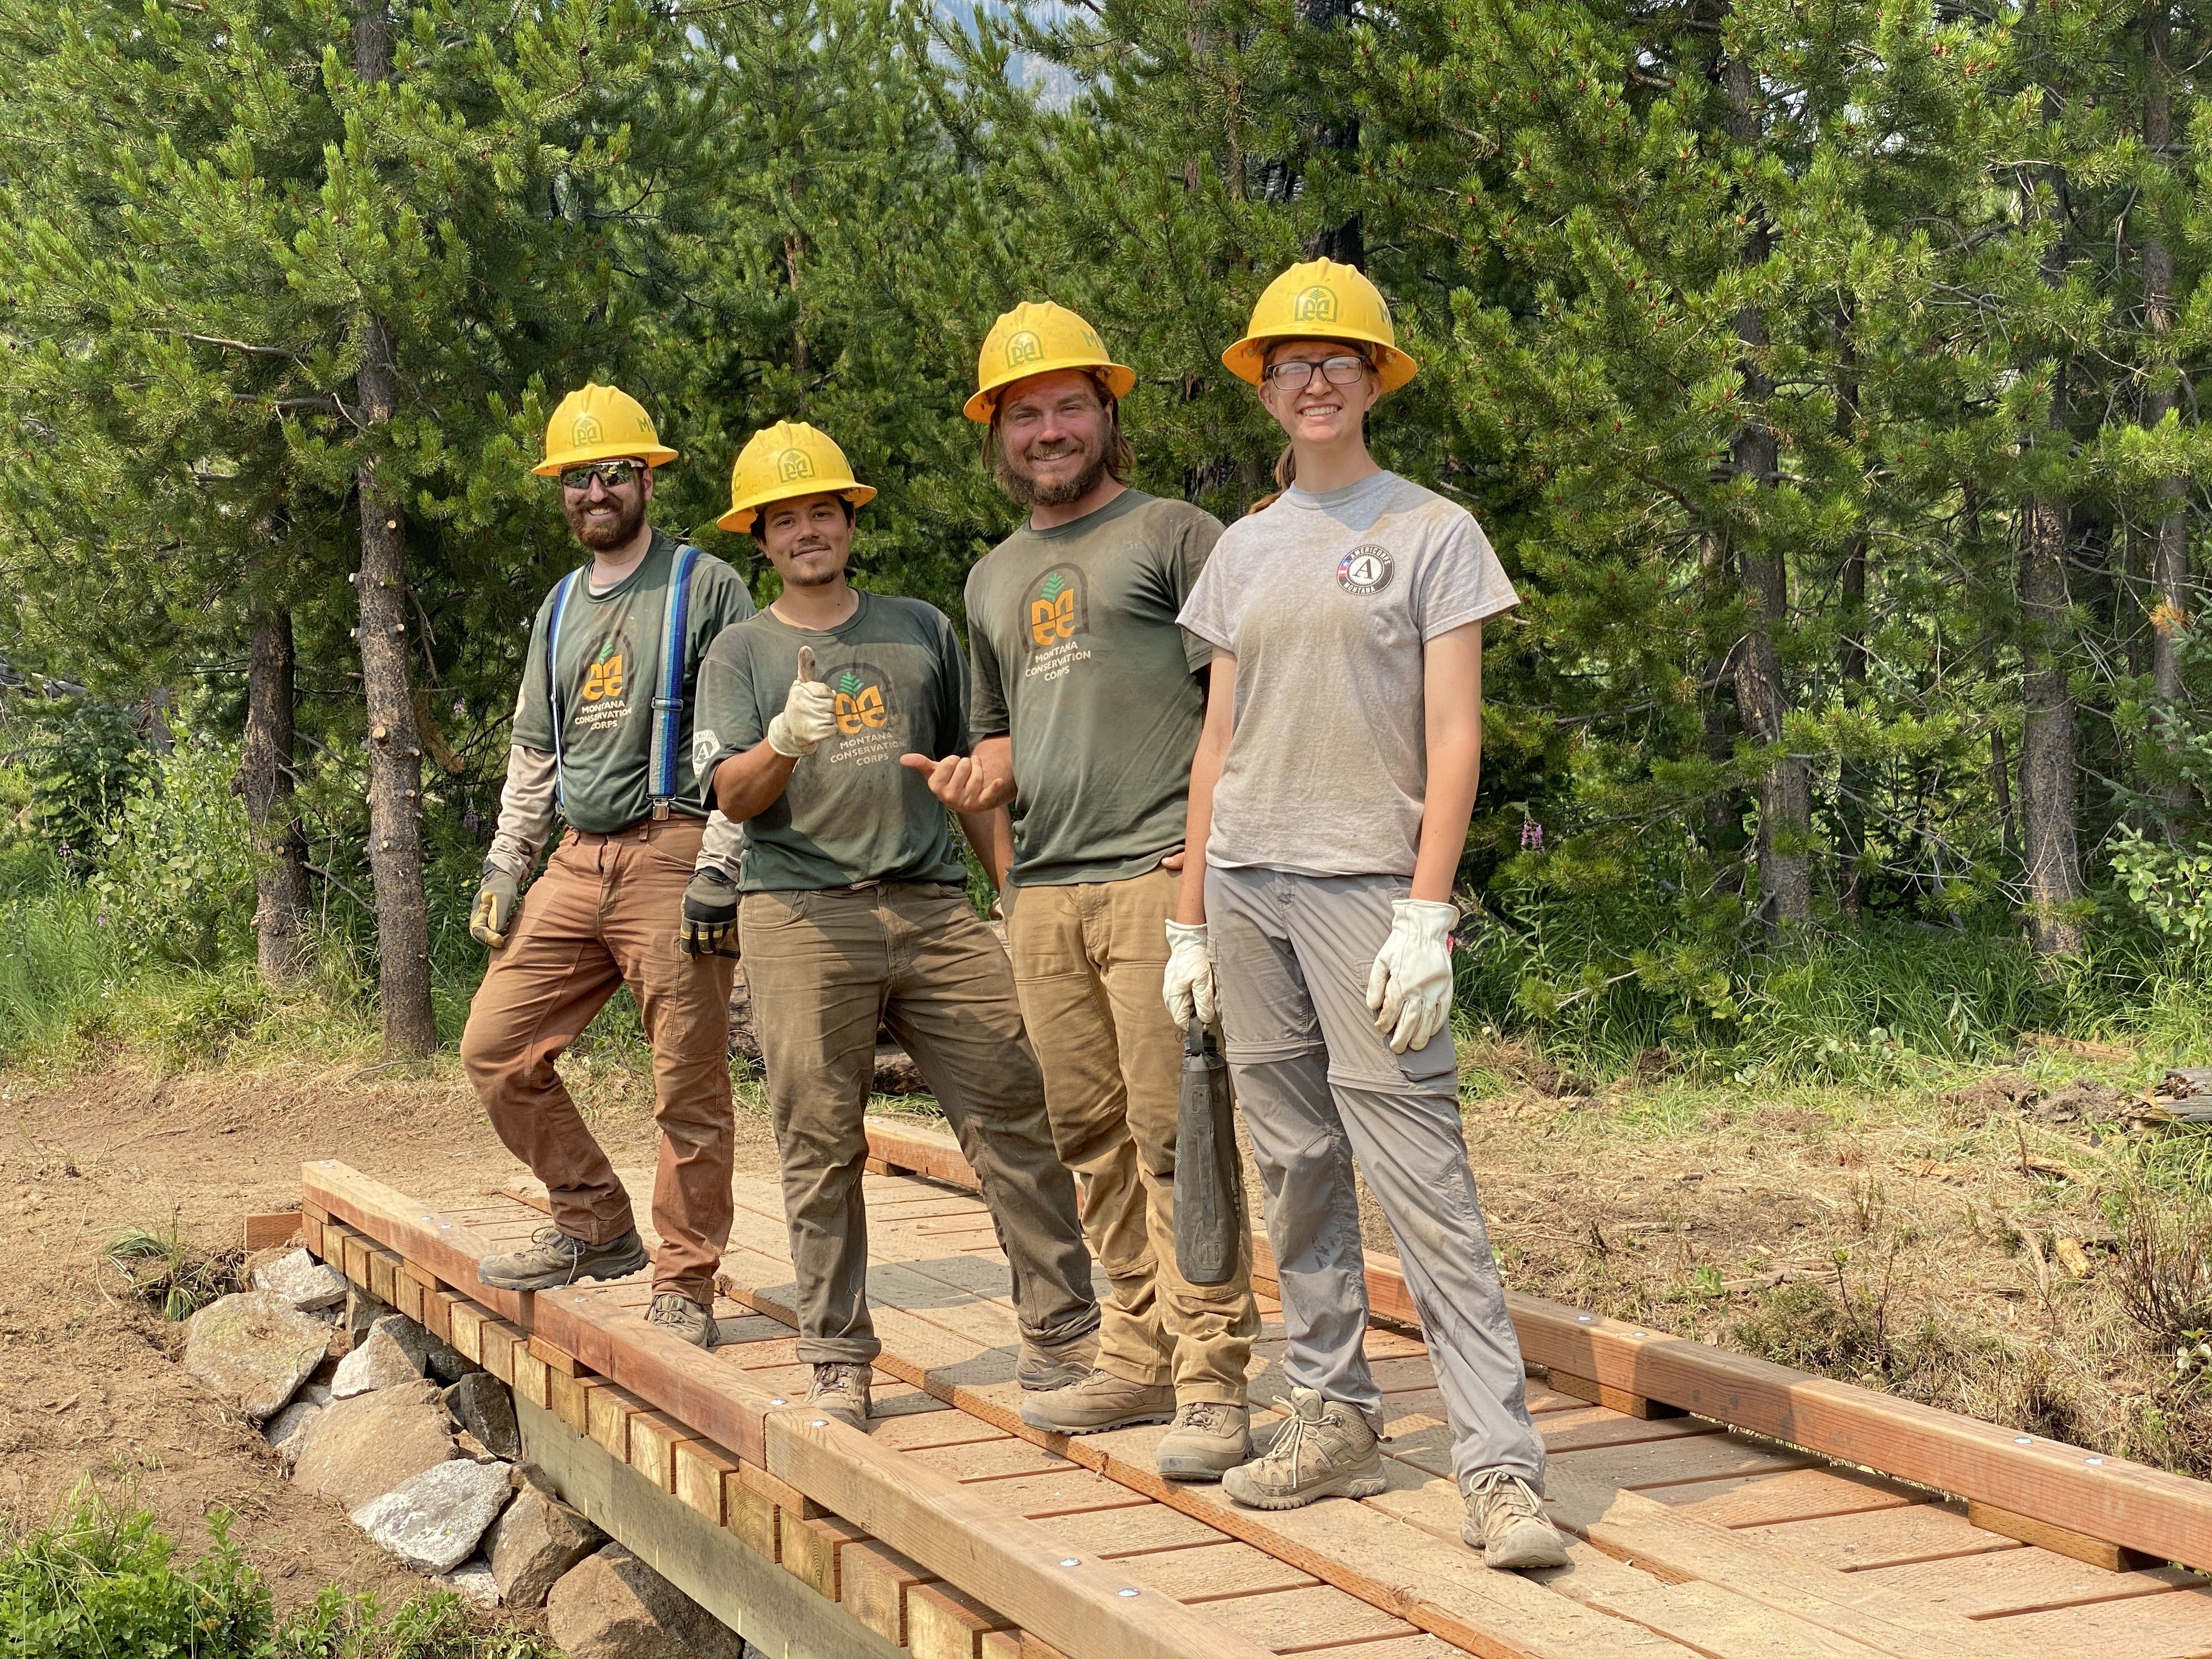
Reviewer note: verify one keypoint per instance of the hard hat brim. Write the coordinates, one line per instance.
(553, 465)
(1120, 381)
(742, 513)
(1248, 359)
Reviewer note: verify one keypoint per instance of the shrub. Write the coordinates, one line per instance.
(175, 875)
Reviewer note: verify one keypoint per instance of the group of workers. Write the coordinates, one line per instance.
(1220, 779)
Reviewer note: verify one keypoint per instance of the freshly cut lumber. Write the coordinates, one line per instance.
(499, 1341)
(876, 1580)
(779, 1492)
(654, 1438)
(2026, 1580)
(1613, 1399)
(531, 1378)
(944, 1623)
(811, 1549)
(609, 1411)
(754, 1518)
(266, 1229)
(704, 1473)
(2062, 1541)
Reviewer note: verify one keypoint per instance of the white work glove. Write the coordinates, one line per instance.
(1409, 989)
(1189, 982)
(810, 712)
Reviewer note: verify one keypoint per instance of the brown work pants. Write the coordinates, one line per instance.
(1088, 962)
(605, 913)
(824, 968)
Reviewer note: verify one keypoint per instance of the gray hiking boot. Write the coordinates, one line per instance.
(1505, 1520)
(1208, 1440)
(1100, 1401)
(680, 1316)
(1041, 1370)
(1324, 1450)
(554, 1259)
(841, 1391)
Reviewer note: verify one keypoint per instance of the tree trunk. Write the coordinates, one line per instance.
(280, 876)
(2169, 552)
(1785, 871)
(395, 753)
(1854, 777)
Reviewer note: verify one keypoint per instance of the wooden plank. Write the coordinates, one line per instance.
(944, 1623)
(569, 1398)
(499, 1339)
(2063, 1540)
(703, 1471)
(2025, 1580)
(754, 1517)
(531, 1380)
(779, 1492)
(438, 1313)
(1794, 1495)
(810, 1548)
(383, 1276)
(609, 1411)
(1213, 1570)
(1887, 1538)
(1292, 1620)
(566, 1363)
(1672, 1462)
(654, 1438)
(264, 1229)
(468, 1324)
(407, 1296)
(312, 1234)
(421, 1275)
(1000, 1644)
(875, 1580)
(2175, 1626)
(355, 1254)
(920, 1150)
(1613, 1399)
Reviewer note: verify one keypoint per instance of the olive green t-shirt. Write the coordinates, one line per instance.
(610, 672)
(1078, 658)
(851, 812)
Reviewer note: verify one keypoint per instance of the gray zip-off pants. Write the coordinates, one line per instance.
(1318, 1086)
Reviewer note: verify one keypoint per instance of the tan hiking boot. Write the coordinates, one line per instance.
(554, 1259)
(1327, 1449)
(1042, 1370)
(679, 1315)
(1101, 1402)
(1208, 1440)
(1505, 1520)
(841, 1391)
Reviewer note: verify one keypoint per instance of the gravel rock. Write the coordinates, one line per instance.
(612, 1606)
(255, 1348)
(379, 1362)
(360, 1449)
(536, 1540)
(434, 1522)
(301, 1280)
(481, 1404)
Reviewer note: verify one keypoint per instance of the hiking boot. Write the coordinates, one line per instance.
(1323, 1450)
(1208, 1439)
(841, 1391)
(1041, 1372)
(1505, 1520)
(554, 1259)
(680, 1316)
(1100, 1401)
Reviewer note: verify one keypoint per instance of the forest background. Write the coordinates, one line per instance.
(1824, 373)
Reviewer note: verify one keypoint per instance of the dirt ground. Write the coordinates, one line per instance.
(1956, 1243)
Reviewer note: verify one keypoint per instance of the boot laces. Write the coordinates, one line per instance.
(558, 1242)
(1499, 1490)
(1204, 1416)
(831, 1377)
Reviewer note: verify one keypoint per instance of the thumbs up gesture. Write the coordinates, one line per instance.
(810, 712)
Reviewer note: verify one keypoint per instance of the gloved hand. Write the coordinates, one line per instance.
(1409, 989)
(494, 904)
(810, 712)
(1189, 982)
(710, 914)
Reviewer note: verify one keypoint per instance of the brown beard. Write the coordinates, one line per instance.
(599, 540)
(1026, 491)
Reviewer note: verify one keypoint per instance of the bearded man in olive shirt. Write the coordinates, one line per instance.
(1087, 711)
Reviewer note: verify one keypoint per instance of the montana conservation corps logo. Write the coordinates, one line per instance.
(603, 675)
(793, 464)
(1315, 304)
(1057, 607)
(586, 430)
(1024, 348)
(1365, 569)
(858, 705)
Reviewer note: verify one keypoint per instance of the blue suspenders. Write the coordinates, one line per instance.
(667, 705)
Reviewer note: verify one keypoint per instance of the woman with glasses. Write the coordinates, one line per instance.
(1332, 792)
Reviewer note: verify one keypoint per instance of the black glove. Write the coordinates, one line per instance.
(494, 904)
(710, 914)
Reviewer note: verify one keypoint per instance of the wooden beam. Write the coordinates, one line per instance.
(703, 1473)
(2061, 1540)
(654, 1438)
(266, 1228)
(1613, 1399)
(877, 1579)
(812, 1549)
(944, 1623)
(531, 1378)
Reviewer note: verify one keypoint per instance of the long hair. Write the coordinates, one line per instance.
(1286, 474)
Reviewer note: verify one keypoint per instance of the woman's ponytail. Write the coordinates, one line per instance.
(1286, 474)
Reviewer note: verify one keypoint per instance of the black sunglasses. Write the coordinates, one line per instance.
(1337, 371)
(613, 474)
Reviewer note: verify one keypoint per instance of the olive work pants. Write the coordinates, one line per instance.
(605, 913)
(824, 968)
(1089, 958)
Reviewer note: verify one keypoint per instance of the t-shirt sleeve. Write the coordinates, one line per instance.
(720, 599)
(1188, 549)
(728, 721)
(953, 706)
(533, 710)
(1206, 614)
(987, 697)
(1460, 580)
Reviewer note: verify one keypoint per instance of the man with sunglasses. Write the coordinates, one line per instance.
(603, 730)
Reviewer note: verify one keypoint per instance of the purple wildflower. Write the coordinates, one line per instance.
(1532, 836)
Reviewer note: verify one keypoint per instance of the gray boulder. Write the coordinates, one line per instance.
(301, 1280)
(473, 1582)
(535, 1541)
(412, 1338)
(612, 1606)
(361, 1312)
(255, 1348)
(480, 1403)
(379, 1362)
(432, 1522)
(360, 1449)
(286, 1432)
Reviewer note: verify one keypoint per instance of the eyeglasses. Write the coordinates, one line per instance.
(1337, 371)
(612, 474)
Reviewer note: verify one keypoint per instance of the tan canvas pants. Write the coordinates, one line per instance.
(1088, 960)
(605, 914)
(824, 968)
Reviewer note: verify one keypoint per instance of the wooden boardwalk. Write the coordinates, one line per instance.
(951, 1528)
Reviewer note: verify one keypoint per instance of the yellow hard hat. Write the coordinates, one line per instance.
(789, 459)
(1321, 299)
(598, 423)
(1038, 337)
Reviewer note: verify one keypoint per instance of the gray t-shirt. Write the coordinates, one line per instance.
(1326, 601)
